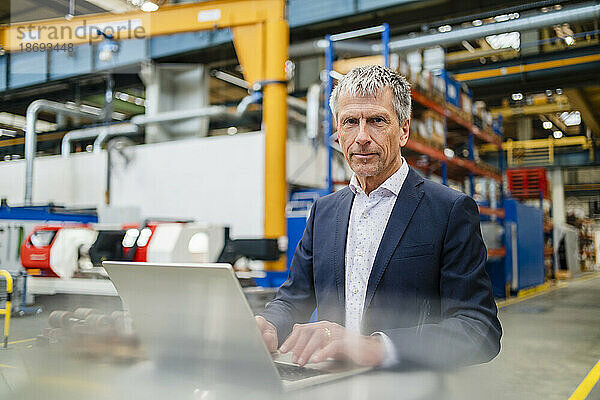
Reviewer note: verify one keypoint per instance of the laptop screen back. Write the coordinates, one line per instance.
(193, 319)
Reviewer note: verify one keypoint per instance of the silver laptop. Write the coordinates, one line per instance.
(194, 321)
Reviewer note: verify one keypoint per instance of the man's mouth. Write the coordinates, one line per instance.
(362, 156)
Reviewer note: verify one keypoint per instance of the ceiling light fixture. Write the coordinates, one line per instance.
(557, 134)
(149, 6)
(572, 118)
(547, 125)
(7, 132)
(517, 96)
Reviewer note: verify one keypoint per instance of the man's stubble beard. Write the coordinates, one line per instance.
(367, 169)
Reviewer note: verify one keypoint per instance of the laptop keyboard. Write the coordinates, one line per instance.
(289, 372)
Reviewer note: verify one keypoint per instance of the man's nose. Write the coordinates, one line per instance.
(363, 136)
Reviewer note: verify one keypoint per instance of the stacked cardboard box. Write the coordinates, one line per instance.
(481, 116)
(434, 124)
(466, 107)
(438, 88)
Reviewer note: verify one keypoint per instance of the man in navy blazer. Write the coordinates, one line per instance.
(394, 263)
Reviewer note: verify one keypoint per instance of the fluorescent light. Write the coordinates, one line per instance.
(477, 22)
(504, 40)
(571, 118)
(8, 132)
(517, 96)
(547, 125)
(18, 121)
(569, 40)
(445, 28)
(557, 134)
(149, 6)
(449, 153)
(558, 91)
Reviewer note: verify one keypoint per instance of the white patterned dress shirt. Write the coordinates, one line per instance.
(368, 218)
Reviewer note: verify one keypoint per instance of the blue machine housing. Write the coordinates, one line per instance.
(48, 213)
(298, 209)
(528, 224)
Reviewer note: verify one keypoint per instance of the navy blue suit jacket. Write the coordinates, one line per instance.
(428, 289)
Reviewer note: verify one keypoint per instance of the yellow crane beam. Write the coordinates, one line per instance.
(534, 109)
(260, 36)
(510, 144)
(587, 112)
(523, 68)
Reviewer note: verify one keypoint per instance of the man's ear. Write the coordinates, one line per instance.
(404, 131)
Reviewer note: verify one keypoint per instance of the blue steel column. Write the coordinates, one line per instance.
(385, 44)
(328, 118)
(472, 158)
(444, 163)
(501, 158)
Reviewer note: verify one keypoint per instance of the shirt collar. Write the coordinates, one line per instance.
(393, 184)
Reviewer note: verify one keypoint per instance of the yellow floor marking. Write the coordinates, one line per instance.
(22, 341)
(538, 291)
(6, 366)
(535, 289)
(586, 386)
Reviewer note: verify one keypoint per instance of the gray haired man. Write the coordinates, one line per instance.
(393, 263)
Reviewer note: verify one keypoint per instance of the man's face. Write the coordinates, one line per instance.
(370, 134)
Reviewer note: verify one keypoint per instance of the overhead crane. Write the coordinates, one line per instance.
(260, 37)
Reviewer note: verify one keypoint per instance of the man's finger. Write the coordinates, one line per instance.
(291, 340)
(303, 338)
(270, 340)
(318, 339)
(334, 350)
(262, 323)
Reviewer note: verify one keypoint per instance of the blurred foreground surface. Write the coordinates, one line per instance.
(549, 345)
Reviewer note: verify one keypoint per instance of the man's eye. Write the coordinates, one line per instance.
(351, 121)
(378, 120)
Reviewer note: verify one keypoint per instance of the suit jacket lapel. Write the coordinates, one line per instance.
(342, 220)
(408, 199)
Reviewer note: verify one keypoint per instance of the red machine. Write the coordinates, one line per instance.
(53, 250)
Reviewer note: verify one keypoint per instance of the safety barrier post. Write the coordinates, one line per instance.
(6, 310)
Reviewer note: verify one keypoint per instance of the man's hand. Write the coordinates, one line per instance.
(367, 351)
(320, 340)
(268, 332)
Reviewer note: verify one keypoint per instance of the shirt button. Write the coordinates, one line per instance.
(359, 253)
(355, 290)
(365, 214)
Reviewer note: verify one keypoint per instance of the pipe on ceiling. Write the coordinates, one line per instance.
(114, 130)
(180, 115)
(315, 47)
(101, 133)
(566, 15)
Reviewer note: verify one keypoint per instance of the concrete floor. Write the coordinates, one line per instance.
(550, 343)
